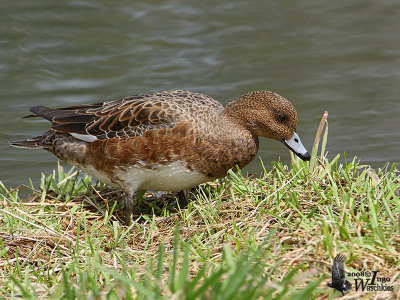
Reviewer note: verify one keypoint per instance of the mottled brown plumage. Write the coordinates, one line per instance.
(168, 140)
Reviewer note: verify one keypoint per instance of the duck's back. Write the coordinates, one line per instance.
(132, 116)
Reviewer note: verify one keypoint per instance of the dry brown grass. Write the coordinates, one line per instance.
(302, 220)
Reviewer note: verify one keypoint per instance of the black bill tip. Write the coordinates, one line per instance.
(306, 156)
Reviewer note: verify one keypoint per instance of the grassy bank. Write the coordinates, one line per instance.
(239, 238)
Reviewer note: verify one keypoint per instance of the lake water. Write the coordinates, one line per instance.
(339, 56)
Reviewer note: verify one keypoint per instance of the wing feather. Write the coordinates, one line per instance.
(128, 117)
(338, 272)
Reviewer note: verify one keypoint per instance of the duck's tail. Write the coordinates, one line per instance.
(36, 142)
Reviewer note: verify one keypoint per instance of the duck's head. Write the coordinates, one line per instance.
(269, 115)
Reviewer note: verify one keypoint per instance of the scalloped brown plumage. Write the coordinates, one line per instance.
(169, 140)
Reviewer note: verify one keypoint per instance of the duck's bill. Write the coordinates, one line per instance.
(297, 147)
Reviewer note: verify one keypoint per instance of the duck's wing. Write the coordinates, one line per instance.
(338, 272)
(127, 117)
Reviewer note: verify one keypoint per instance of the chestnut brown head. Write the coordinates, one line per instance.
(269, 115)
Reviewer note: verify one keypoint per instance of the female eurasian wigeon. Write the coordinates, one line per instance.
(165, 141)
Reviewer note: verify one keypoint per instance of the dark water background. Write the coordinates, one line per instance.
(339, 56)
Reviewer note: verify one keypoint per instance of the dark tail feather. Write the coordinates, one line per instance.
(64, 119)
(60, 114)
(36, 142)
(43, 111)
(67, 112)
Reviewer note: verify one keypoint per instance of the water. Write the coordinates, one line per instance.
(341, 56)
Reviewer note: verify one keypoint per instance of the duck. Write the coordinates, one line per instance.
(165, 141)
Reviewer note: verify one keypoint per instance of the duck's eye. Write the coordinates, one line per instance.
(282, 117)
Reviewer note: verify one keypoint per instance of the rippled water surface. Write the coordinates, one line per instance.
(339, 56)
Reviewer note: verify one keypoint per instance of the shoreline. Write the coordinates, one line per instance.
(281, 230)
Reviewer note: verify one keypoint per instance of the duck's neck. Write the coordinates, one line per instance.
(238, 112)
(237, 117)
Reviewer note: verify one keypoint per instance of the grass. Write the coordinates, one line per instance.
(271, 237)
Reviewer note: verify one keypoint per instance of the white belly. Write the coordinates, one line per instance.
(172, 177)
(92, 171)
